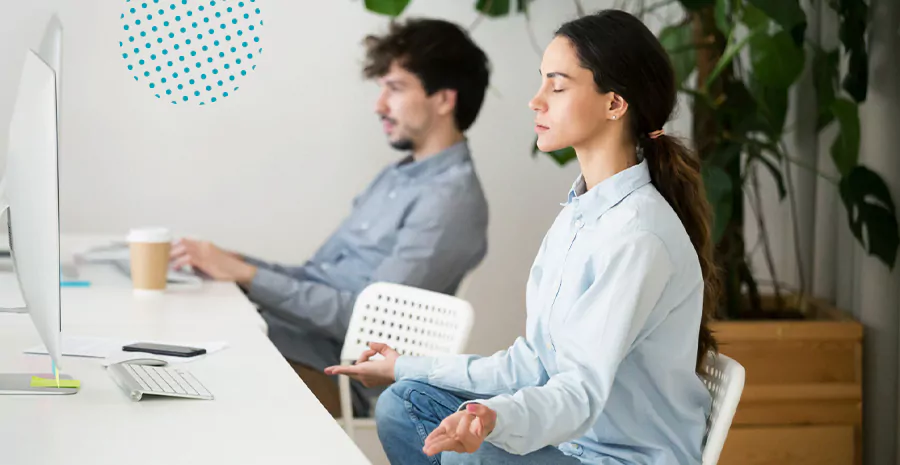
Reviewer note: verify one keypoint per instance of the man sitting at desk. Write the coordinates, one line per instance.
(421, 222)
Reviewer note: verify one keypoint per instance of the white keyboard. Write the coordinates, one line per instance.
(138, 380)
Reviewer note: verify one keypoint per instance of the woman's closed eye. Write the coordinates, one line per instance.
(556, 91)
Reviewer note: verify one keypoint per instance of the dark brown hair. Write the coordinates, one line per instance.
(441, 55)
(626, 58)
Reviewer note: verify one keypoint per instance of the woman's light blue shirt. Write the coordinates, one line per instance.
(606, 370)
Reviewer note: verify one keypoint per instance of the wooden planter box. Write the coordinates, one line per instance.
(802, 401)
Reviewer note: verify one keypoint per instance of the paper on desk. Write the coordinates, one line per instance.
(111, 349)
(112, 251)
(122, 356)
(81, 346)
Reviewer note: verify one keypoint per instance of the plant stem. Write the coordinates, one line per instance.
(761, 223)
(691, 46)
(812, 169)
(531, 37)
(730, 251)
(789, 182)
(475, 23)
(781, 153)
(579, 8)
(487, 7)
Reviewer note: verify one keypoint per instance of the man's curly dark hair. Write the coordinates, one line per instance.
(440, 54)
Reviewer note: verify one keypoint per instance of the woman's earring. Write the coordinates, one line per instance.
(614, 116)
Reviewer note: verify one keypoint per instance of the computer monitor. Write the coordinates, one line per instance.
(51, 52)
(31, 195)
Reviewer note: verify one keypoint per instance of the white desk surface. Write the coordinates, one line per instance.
(262, 412)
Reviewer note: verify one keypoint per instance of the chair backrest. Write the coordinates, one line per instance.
(724, 378)
(412, 321)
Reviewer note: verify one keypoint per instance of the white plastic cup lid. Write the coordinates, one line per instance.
(152, 235)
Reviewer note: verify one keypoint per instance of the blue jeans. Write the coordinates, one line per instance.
(409, 411)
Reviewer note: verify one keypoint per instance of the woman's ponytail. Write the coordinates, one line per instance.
(675, 173)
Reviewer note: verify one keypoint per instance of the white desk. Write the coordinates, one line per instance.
(262, 413)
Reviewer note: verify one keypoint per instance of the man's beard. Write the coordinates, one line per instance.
(403, 144)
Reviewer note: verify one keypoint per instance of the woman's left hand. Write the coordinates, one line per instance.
(463, 432)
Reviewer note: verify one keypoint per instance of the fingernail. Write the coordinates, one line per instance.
(471, 408)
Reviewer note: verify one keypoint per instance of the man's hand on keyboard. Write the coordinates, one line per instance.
(217, 263)
(370, 372)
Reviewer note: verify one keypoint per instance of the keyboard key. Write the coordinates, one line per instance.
(183, 384)
(164, 383)
(144, 377)
(148, 377)
(196, 384)
(137, 377)
(171, 382)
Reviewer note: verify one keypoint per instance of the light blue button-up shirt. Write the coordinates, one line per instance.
(606, 371)
(420, 223)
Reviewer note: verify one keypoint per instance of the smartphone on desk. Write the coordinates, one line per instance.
(164, 349)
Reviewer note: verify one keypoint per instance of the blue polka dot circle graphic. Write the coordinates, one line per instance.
(191, 51)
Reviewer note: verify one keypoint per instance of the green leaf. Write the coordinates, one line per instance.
(853, 16)
(740, 112)
(786, 13)
(387, 7)
(718, 193)
(856, 82)
(773, 102)
(755, 153)
(845, 148)
(693, 5)
(493, 7)
(699, 98)
(871, 209)
(776, 60)
(776, 174)
(522, 5)
(678, 41)
(730, 51)
(722, 13)
(561, 156)
(724, 153)
(754, 17)
(825, 80)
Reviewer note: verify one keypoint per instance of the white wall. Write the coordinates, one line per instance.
(272, 170)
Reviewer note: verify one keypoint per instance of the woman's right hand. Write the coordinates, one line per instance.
(370, 372)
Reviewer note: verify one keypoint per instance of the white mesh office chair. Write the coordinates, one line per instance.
(724, 378)
(412, 321)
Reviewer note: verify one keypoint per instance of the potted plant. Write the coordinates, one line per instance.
(736, 60)
(803, 398)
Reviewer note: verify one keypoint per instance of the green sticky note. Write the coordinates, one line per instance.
(51, 383)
